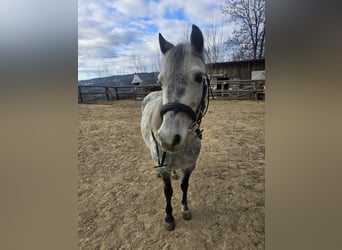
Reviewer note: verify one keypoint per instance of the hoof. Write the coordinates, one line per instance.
(170, 226)
(186, 215)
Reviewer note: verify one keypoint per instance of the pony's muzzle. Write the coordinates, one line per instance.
(172, 134)
(170, 143)
(176, 140)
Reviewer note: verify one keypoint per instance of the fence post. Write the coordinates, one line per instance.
(134, 93)
(106, 89)
(254, 93)
(116, 92)
(80, 94)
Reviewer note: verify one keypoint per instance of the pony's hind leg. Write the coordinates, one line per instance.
(169, 220)
(186, 214)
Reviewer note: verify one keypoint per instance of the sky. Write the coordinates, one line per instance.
(117, 37)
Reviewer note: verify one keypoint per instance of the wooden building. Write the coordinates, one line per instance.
(241, 70)
(239, 79)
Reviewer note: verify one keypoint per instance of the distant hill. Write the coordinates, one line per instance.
(120, 80)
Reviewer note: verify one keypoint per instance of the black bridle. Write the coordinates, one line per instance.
(196, 116)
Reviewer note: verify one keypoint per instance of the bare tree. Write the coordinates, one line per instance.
(101, 69)
(214, 42)
(249, 37)
(155, 61)
(138, 64)
(185, 33)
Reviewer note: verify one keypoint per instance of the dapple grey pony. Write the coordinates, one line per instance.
(171, 118)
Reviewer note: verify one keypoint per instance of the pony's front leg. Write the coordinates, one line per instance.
(169, 220)
(186, 214)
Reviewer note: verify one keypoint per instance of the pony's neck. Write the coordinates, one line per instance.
(156, 119)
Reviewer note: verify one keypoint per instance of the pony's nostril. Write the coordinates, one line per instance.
(176, 140)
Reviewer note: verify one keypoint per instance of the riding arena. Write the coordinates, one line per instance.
(121, 202)
(136, 158)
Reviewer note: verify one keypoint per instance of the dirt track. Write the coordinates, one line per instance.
(121, 201)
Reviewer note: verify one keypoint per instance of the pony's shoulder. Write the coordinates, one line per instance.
(151, 97)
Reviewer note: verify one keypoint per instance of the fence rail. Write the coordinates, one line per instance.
(228, 89)
(239, 89)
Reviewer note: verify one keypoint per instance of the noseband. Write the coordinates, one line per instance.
(176, 107)
(196, 117)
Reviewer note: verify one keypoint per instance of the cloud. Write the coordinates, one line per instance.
(113, 33)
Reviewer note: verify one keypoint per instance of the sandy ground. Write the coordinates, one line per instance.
(121, 201)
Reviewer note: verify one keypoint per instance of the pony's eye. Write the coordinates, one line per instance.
(198, 78)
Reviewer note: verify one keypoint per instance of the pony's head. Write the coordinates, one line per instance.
(181, 78)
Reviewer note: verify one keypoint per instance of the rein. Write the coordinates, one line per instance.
(196, 117)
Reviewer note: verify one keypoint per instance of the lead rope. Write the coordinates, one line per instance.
(162, 160)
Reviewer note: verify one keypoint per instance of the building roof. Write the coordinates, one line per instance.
(136, 79)
(238, 62)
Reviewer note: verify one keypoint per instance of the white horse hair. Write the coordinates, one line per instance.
(171, 117)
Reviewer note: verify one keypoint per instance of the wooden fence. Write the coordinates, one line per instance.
(228, 89)
(104, 93)
(239, 89)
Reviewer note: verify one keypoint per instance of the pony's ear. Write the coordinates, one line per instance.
(196, 39)
(165, 46)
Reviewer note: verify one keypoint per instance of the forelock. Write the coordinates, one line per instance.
(175, 57)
